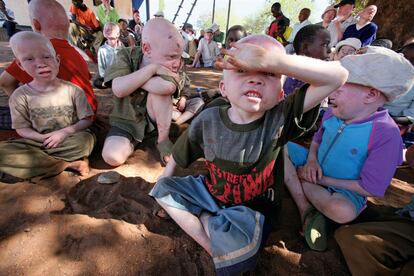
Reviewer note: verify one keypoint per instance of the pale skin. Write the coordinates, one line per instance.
(179, 115)
(44, 59)
(208, 37)
(344, 12)
(367, 15)
(306, 184)
(253, 60)
(162, 47)
(48, 18)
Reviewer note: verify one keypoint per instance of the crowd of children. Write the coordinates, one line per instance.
(271, 98)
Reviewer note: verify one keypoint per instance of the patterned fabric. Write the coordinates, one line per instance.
(48, 111)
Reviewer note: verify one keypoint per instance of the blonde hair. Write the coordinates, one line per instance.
(110, 27)
(24, 37)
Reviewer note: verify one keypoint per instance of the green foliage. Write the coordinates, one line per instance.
(258, 22)
(161, 5)
(220, 17)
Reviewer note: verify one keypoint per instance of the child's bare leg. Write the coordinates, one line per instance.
(294, 185)
(335, 206)
(116, 150)
(204, 221)
(81, 166)
(187, 115)
(159, 109)
(190, 224)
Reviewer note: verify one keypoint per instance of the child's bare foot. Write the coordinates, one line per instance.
(81, 166)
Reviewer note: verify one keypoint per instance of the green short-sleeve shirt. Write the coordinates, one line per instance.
(129, 113)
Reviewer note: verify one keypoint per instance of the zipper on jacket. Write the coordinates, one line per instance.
(338, 133)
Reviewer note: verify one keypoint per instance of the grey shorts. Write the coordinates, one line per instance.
(194, 105)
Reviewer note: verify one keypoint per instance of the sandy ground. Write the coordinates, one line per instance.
(69, 225)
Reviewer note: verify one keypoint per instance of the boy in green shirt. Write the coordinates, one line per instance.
(143, 80)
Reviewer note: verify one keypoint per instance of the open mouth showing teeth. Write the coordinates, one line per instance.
(253, 94)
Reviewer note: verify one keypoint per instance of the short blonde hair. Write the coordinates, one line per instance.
(21, 38)
(110, 27)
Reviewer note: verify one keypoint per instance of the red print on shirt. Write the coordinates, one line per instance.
(229, 187)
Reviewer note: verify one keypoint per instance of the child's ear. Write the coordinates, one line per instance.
(304, 49)
(222, 88)
(373, 95)
(146, 48)
(58, 59)
(36, 25)
(281, 94)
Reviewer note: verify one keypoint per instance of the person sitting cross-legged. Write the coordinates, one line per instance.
(51, 115)
(345, 163)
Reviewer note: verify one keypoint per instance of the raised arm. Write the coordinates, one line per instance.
(324, 77)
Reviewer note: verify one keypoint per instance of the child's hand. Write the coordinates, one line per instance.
(245, 56)
(311, 172)
(55, 138)
(162, 70)
(181, 104)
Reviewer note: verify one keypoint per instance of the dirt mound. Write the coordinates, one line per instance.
(128, 200)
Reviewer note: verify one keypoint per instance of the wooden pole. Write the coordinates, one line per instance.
(228, 16)
(214, 9)
(178, 10)
(147, 3)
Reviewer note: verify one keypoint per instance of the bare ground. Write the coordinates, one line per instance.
(69, 225)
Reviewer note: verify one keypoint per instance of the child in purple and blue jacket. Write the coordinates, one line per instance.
(357, 149)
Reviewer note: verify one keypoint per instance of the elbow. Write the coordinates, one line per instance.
(8, 89)
(342, 77)
(89, 121)
(117, 88)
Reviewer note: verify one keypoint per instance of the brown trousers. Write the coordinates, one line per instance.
(379, 247)
(26, 158)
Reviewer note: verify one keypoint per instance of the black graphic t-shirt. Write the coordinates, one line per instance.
(244, 160)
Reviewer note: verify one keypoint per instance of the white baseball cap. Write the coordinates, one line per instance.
(350, 41)
(382, 69)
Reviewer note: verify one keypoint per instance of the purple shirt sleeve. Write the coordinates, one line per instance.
(384, 155)
(317, 137)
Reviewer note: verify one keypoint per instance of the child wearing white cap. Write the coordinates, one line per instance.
(356, 151)
(346, 47)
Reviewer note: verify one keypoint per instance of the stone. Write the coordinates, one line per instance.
(109, 177)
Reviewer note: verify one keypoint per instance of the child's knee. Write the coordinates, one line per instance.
(113, 159)
(340, 211)
(115, 154)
